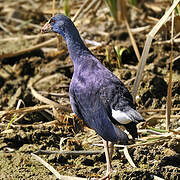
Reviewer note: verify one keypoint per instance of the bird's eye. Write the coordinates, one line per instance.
(52, 21)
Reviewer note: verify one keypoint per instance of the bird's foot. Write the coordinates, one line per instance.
(105, 177)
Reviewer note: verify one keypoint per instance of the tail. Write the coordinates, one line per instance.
(136, 118)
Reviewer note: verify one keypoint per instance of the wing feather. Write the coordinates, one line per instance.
(92, 110)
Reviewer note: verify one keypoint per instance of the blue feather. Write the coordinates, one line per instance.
(95, 91)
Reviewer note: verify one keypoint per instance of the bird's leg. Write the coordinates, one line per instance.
(111, 149)
(108, 153)
(108, 159)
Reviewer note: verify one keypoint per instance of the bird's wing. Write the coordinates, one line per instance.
(119, 105)
(93, 112)
(118, 101)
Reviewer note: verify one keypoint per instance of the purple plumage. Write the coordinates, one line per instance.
(97, 96)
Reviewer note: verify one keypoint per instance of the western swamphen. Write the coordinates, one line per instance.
(97, 96)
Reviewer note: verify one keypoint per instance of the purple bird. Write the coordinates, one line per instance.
(97, 96)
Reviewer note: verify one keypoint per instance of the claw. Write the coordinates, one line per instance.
(105, 177)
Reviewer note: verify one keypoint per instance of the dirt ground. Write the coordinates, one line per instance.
(48, 71)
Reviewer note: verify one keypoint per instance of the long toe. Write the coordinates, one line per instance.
(107, 176)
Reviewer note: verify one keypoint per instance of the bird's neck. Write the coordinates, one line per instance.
(76, 47)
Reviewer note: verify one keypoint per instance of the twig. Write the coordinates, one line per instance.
(129, 80)
(53, 7)
(30, 24)
(160, 140)
(5, 29)
(80, 10)
(51, 123)
(94, 43)
(46, 100)
(157, 178)
(68, 152)
(149, 131)
(139, 29)
(157, 110)
(177, 35)
(128, 157)
(45, 79)
(98, 5)
(54, 94)
(48, 166)
(169, 93)
(91, 4)
(176, 58)
(167, 41)
(132, 40)
(24, 110)
(38, 46)
(14, 116)
(162, 117)
(25, 37)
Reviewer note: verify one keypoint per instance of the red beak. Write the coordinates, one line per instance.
(46, 28)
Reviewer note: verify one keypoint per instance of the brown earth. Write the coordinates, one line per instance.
(51, 131)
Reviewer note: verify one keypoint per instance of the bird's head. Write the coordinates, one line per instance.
(59, 24)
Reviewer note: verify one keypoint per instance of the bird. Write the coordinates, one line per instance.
(97, 96)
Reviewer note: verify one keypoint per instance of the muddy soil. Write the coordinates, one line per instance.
(54, 129)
